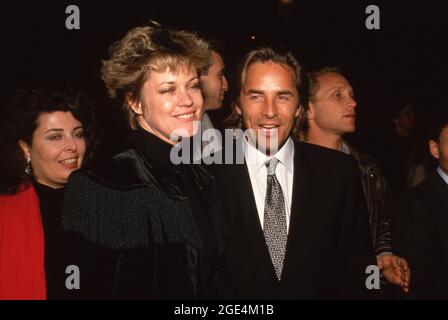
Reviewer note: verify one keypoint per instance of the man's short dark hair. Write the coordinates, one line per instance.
(214, 43)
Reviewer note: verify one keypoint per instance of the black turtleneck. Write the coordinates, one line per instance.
(157, 150)
(58, 245)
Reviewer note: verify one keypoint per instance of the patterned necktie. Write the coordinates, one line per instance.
(275, 231)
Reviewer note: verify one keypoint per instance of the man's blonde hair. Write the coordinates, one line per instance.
(260, 55)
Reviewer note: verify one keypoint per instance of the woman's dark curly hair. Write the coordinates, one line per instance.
(19, 121)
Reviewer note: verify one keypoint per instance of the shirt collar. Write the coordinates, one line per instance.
(206, 122)
(257, 159)
(443, 174)
(345, 148)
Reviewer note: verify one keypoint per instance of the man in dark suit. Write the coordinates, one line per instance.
(297, 222)
(421, 224)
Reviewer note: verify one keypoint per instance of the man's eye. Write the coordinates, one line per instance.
(255, 97)
(283, 97)
(196, 87)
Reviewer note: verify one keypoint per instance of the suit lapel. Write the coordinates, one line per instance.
(441, 190)
(306, 249)
(299, 205)
(243, 191)
(247, 223)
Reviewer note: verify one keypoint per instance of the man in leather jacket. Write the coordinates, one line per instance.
(328, 114)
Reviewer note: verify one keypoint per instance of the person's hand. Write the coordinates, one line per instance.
(395, 270)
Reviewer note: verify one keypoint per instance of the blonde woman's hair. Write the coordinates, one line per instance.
(147, 49)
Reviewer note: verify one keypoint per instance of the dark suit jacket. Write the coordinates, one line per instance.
(329, 243)
(420, 231)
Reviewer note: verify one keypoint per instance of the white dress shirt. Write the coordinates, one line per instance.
(443, 174)
(258, 174)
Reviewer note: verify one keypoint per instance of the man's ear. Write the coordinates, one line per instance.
(434, 149)
(25, 149)
(134, 104)
(238, 108)
(310, 113)
(298, 111)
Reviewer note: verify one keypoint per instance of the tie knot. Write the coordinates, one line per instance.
(271, 165)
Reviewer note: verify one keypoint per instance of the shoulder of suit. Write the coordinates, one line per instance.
(424, 195)
(420, 201)
(324, 162)
(426, 190)
(324, 154)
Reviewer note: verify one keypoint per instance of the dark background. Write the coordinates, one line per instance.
(404, 60)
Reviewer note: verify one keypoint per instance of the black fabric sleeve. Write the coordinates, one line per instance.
(356, 249)
(414, 240)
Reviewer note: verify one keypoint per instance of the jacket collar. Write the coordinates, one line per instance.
(152, 148)
(440, 187)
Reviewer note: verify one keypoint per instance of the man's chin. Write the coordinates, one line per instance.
(349, 130)
(215, 107)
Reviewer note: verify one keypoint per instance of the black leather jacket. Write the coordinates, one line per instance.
(379, 201)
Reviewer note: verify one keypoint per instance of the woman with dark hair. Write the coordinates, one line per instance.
(44, 138)
(157, 219)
